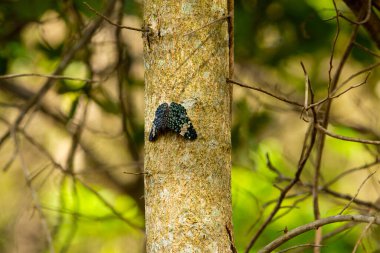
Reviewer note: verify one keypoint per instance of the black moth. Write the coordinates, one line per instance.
(172, 118)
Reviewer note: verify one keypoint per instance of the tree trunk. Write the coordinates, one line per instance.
(187, 182)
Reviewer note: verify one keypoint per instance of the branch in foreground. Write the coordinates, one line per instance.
(345, 138)
(316, 224)
(305, 154)
(362, 235)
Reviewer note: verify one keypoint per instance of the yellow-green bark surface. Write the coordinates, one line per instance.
(187, 183)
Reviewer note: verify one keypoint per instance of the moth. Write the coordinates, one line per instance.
(174, 118)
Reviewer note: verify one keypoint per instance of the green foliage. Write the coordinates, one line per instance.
(88, 218)
(133, 8)
(270, 31)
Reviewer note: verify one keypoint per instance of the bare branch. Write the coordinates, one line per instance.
(208, 24)
(346, 172)
(307, 86)
(339, 230)
(33, 192)
(372, 25)
(305, 154)
(357, 74)
(57, 77)
(366, 18)
(265, 92)
(334, 45)
(332, 96)
(68, 56)
(362, 235)
(316, 224)
(349, 198)
(307, 245)
(350, 88)
(113, 23)
(111, 207)
(344, 138)
(367, 50)
(357, 192)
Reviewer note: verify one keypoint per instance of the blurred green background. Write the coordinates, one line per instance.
(102, 209)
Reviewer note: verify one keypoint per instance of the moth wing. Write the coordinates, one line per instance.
(159, 125)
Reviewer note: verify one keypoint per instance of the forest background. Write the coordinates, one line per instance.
(71, 163)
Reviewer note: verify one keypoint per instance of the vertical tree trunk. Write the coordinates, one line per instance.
(187, 183)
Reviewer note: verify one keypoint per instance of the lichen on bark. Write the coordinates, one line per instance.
(187, 183)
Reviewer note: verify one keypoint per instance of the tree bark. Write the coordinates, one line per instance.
(187, 183)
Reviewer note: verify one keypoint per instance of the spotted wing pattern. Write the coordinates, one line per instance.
(179, 122)
(172, 118)
(159, 122)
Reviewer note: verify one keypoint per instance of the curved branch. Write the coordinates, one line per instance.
(345, 138)
(359, 7)
(316, 224)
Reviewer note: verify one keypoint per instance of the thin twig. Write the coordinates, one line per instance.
(362, 234)
(367, 50)
(305, 154)
(350, 88)
(316, 224)
(294, 205)
(208, 24)
(333, 46)
(344, 59)
(322, 137)
(306, 245)
(43, 150)
(345, 138)
(33, 192)
(349, 198)
(365, 19)
(307, 85)
(75, 138)
(346, 172)
(57, 77)
(338, 230)
(373, 24)
(357, 74)
(113, 23)
(135, 173)
(111, 207)
(265, 92)
(357, 192)
(315, 191)
(332, 96)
